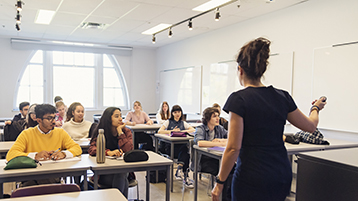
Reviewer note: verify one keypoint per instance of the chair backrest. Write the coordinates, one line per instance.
(45, 189)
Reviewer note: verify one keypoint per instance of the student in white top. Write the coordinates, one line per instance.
(75, 124)
(163, 113)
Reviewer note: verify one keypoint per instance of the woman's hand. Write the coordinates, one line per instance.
(176, 129)
(150, 122)
(120, 128)
(58, 123)
(116, 152)
(216, 192)
(319, 103)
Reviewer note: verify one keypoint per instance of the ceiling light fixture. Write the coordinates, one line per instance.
(190, 25)
(210, 5)
(163, 27)
(18, 17)
(44, 16)
(17, 26)
(153, 39)
(217, 15)
(19, 5)
(170, 33)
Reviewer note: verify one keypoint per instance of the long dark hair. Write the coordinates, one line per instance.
(29, 121)
(176, 108)
(253, 58)
(106, 123)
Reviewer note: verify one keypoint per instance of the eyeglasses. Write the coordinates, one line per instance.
(50, 118)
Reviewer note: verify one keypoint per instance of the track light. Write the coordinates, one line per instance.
(19, 5)
(217, 14)
(170, 33)
(153, 39)
(190, 25)
(18, 18)
(17, 26)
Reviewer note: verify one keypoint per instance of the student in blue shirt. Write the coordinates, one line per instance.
(175, 123)
(210, 134)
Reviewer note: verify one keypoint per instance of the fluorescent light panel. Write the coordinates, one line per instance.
(44, 16)
(210, 5)
(157, 28)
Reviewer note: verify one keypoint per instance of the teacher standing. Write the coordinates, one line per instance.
(257, 115)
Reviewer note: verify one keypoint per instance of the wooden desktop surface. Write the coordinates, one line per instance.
(104, 194)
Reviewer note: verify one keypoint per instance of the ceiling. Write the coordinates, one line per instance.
(125, 19)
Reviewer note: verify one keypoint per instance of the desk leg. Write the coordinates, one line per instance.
(195, 175)
(172, 169)
(95, 187)
(167, 193)
(156, 151)
(85, 184)
(134, 144)
(1, 190)
(147, 185)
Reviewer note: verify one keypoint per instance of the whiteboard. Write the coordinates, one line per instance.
(182, 87)
(335, 76)
(220, 79)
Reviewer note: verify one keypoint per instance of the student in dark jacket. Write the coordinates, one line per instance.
(14, 128)
(24, 108)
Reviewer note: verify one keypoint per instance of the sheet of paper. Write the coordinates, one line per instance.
(62, 160)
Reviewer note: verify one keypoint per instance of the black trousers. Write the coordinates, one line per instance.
(180, 152)
(211, 166)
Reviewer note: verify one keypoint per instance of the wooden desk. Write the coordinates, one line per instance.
(47, 170)
(172, 141)
(327, 175)
(105, 194)
(112, 166)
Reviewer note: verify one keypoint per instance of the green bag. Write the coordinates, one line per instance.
(21, 162)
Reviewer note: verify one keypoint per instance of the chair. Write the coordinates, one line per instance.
(45, 189)
(131, 184)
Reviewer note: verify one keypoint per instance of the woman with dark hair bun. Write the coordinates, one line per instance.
(257, 116)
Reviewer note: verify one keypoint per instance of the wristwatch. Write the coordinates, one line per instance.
(217, 180)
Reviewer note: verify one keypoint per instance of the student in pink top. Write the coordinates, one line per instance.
(61, 115)
(138, 116)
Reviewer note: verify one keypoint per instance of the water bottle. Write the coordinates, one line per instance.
(101, 147)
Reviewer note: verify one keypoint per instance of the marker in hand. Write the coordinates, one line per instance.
(323, 98)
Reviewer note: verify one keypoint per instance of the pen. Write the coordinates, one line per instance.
(55, 152)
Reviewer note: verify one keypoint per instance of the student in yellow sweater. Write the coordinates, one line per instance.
(43, 141)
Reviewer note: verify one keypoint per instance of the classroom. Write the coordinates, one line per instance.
(303, 33)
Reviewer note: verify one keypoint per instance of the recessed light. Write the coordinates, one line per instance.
(44, 16)
(210, 5)
(155, 29)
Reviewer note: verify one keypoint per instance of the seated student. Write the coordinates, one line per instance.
(41, 142)
(222, 120)
(175, 123)
(75, 124)
(57, 98)
(163, 113)
(14, 128)
(118, 141)
(61, 115)
(24, 108)
(210, 134)
(138, 116)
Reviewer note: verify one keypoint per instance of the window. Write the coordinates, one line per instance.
(76, 77)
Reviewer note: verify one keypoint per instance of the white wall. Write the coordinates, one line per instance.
(300, 28)
(139, 72)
